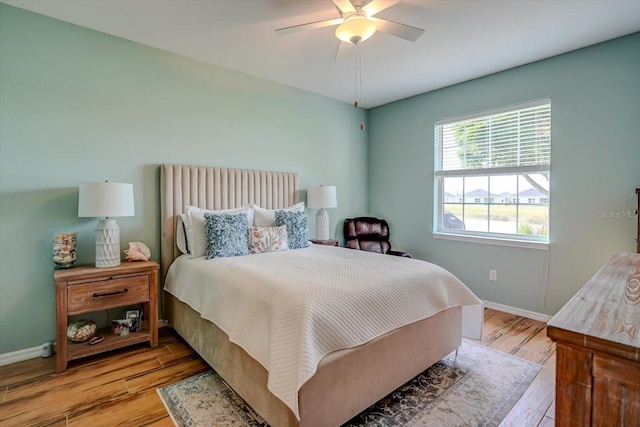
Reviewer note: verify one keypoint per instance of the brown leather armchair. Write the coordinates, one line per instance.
(369, 234)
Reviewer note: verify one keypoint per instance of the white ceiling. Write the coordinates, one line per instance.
(463, 39)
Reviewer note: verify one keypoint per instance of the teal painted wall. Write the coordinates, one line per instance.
(595, 102)
(78, 105)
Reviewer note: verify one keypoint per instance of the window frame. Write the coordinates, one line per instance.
(509, 239)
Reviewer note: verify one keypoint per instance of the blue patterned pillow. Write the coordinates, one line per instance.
(297, 230)
(227, 235)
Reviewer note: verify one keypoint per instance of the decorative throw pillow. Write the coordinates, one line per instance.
(268, 239)
(227, 235)
(266, 217)
(196, 230)
(297, 230)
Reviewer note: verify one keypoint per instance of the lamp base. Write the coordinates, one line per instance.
(107, 243)
(322, 225)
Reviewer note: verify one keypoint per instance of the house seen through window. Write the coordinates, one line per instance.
(492, 172)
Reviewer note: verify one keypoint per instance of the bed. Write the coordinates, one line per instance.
(337, 381)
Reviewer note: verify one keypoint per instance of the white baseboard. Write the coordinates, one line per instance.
(21, 355)
(517, 311)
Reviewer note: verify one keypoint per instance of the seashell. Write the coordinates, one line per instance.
(137, 251)
(64, 249)
(81, 330)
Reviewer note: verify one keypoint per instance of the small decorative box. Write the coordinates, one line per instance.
(121, 327)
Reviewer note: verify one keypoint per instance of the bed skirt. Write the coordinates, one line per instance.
(346, 382)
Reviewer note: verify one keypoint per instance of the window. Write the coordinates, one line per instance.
(492, 172)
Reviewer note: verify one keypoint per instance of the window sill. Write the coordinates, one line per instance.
(543, 246)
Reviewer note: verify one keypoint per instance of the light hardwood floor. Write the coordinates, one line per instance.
(119, 388)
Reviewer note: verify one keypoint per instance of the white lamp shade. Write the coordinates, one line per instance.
(322, 197)
(105, 199)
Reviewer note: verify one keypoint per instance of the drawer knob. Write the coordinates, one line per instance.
(108, 294)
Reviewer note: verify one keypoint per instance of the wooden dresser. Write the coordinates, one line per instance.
(597, 334)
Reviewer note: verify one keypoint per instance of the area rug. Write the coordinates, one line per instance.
(478, 387)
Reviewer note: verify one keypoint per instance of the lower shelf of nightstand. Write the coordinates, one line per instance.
(110, 342)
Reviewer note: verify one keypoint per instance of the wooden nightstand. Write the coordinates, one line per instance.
(326, 242)
(86, 289)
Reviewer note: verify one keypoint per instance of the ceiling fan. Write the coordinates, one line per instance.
(357, 22)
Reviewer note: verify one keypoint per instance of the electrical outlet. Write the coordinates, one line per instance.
(493, 275)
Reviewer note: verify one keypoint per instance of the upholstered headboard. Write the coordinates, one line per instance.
(216, 188)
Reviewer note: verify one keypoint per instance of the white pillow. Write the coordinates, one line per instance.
(181, 234)
(197, 231)
(267, 217)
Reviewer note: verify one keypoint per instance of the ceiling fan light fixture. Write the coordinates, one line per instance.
(355, 29)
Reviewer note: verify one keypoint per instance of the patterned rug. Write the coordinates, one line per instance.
(477, 388)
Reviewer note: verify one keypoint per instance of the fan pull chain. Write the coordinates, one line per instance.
(358, 81)
(356, 73)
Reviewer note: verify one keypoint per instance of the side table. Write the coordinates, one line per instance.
(86, 289)
(326, 242)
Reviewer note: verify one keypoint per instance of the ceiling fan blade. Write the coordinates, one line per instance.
(403, 31)
(344, 6)
(376, 6)
(343, 50)
(309, 26)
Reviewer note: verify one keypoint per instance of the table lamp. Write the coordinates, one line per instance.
(108, 200)
(322, 198)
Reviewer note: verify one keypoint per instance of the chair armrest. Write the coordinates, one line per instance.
(399, 253)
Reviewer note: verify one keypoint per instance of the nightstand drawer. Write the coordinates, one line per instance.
(115, 291)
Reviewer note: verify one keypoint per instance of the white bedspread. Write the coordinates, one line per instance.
(290, 309)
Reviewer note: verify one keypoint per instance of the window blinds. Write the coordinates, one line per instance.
(497, 141)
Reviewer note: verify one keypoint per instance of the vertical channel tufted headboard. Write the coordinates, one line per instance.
(216, 188)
